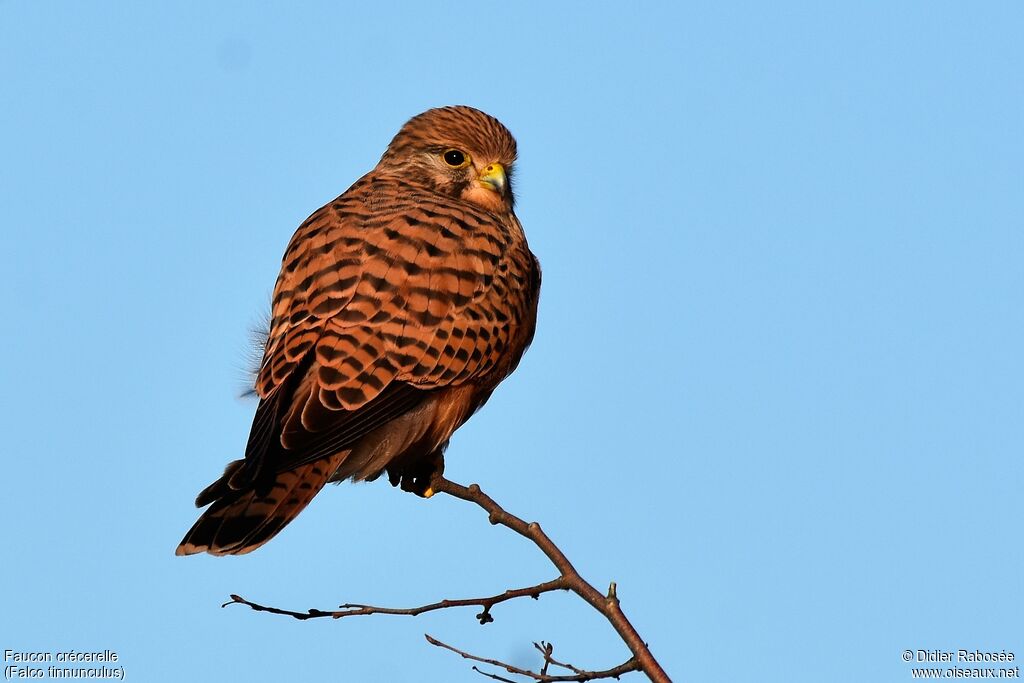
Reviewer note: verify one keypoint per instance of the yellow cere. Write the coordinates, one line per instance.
(494, 176)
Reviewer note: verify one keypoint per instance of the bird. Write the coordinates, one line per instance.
(399, 308)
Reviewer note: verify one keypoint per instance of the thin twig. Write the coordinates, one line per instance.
(546, 653)
(542, 677)
(545, 650)
(355, 609)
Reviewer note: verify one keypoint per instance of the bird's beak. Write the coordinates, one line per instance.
(493, 178)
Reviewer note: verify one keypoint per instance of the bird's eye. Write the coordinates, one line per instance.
(456, 158)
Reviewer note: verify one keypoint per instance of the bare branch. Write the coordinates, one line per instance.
(355, 609)
(568, 579)
(541, 676)
(606, 605)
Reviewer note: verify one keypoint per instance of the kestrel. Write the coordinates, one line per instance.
(399, 308)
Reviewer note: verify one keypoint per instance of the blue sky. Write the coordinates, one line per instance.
(775, 393)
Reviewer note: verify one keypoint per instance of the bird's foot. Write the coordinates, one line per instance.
(416, 479)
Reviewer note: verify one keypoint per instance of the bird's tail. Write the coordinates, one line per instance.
(241, 520)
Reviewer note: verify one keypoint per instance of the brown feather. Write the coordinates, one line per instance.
(240, 523)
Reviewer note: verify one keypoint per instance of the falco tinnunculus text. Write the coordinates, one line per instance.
(399, 308)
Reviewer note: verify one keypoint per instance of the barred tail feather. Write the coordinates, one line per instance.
(239, 521)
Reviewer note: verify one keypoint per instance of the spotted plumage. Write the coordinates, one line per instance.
(399, 308)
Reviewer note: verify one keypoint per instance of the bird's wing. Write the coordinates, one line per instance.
(384, 294)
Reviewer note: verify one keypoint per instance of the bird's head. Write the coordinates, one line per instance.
(457, 151)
